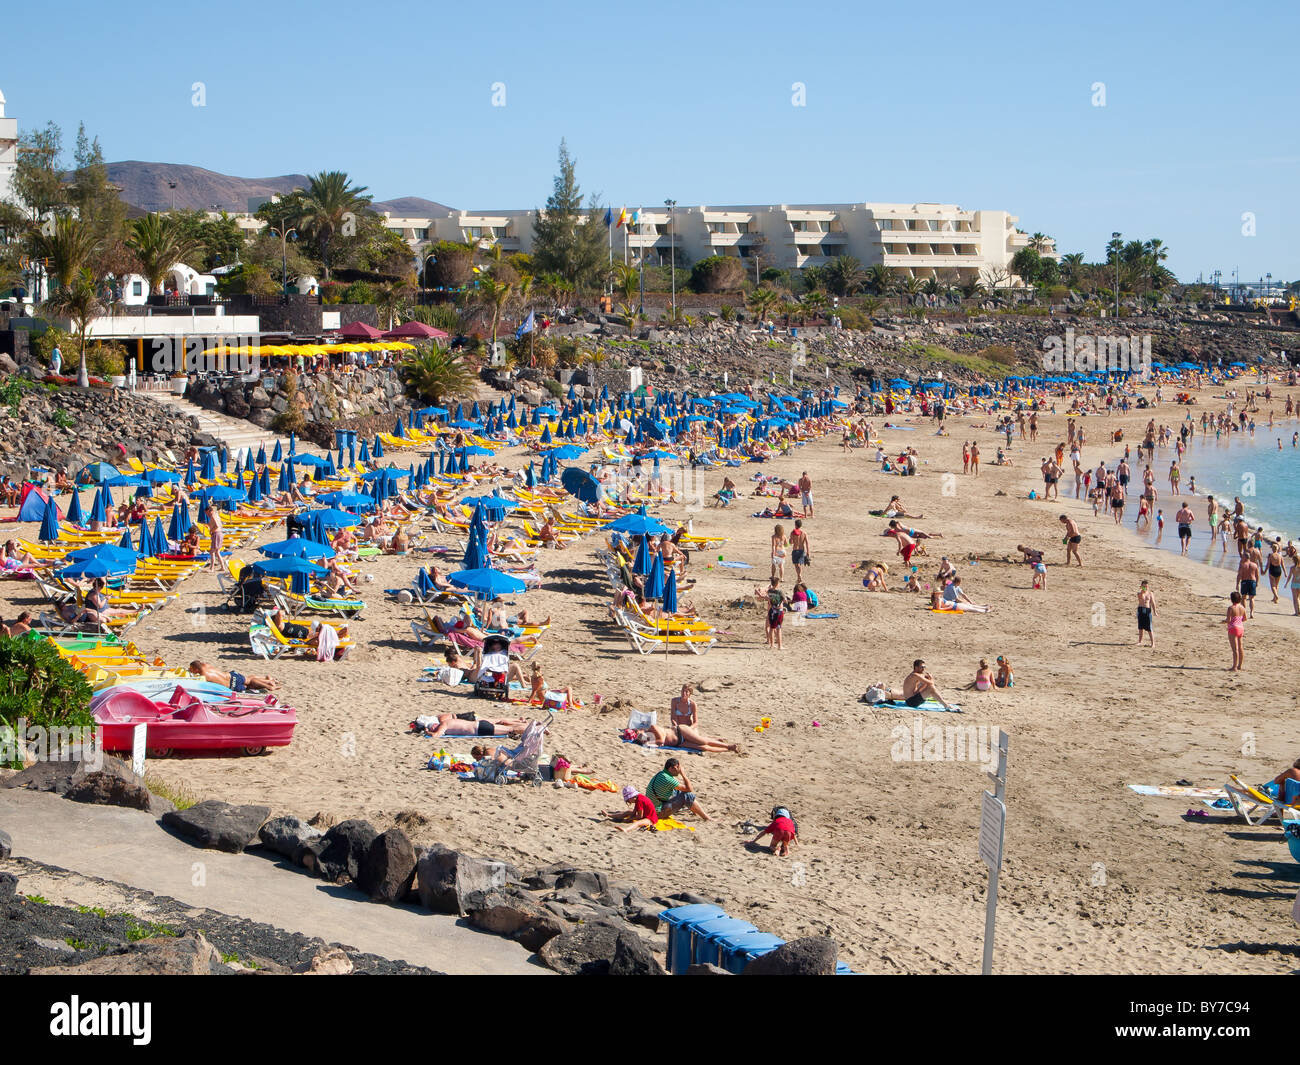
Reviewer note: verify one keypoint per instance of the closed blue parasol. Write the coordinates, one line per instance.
(74, 515)
(654, 585)
(49, 523)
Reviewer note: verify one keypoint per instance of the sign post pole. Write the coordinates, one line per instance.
(993, 823)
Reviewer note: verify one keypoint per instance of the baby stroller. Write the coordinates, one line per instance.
(504, 766)
(494, 679)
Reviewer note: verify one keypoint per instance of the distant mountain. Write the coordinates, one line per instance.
(412, 207)
(147, 186)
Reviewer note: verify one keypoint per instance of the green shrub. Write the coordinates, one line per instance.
(554, 387)
(38, 685)
(360, 292)
(718, 273)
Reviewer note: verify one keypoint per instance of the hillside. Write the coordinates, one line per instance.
(146, 186)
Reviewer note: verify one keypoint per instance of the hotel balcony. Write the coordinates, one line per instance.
(925, 236)
(931, 261)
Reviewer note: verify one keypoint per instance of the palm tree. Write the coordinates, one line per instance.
(159, 243)
(1072, 266)
(1039, 242)
(911, 285)
(762, 300)
(494, 295)
(393, 299)
(844, 275)
(78, 300)
(67, 243)
(626, 280)
(328, 204)
(432, 374)
(871, 305)
(879, 279)
(815, 302)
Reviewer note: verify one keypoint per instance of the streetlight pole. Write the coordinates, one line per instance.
(672, 253)
(284, 235)
(1115, 237)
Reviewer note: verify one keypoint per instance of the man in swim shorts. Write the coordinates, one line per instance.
(236, 682)
(1248, 580)
(1146, 609)
(1185, 517)
(805, 494)
(1072, 539)
(919, 686)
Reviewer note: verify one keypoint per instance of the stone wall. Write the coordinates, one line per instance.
(327, 400)
(93, 424)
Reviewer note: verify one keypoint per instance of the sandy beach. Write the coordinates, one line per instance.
(1097, 879)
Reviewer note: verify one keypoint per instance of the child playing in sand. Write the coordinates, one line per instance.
(642, 814)
(1006, 677)
(784, 831)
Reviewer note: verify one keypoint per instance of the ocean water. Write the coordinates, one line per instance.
(1252, 468)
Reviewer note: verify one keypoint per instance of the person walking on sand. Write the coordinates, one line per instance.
(1248, 580)
(1275, 567)
(778, 553)
(799, 550)
(1146, 611)
(805, 494)
(1072, 539)
(975, 459)
(1184, 518)
(1236, 622)
(214, 537)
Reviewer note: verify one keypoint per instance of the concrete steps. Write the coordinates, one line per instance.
(233, 432)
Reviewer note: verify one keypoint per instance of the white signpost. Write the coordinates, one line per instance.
(138, 735)
(993, 824)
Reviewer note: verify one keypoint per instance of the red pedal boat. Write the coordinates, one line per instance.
(185, 723)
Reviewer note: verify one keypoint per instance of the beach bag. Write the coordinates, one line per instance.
(638, 720)
(874, 695)
(812, 598)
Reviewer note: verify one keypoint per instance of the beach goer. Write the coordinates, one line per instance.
(983, 677)
(1006, 677)
(1248, 580)
(236, 682)
(919, 685)
(1146, 611)
(783, 829)
(799, 550)
(778, 553)
(22, 623)
(1184, 518)
(671, 791)
(214, 537)
(1275, 567)
(1293, 579)
(1072, 539)
(776, 604)
(642, 812)
(451, 725)
(1236, 622)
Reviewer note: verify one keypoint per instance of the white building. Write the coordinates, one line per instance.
(919, 240)
(8, 152)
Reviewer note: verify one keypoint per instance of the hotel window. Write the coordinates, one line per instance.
(799, 227)
(500, 231)
(137, 288)
(421, 234)
(742, 227)
(473, 232)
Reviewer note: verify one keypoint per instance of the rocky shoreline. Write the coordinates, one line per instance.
(576, 921)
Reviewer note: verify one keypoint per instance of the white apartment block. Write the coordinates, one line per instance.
(8, 152)
(920, 240)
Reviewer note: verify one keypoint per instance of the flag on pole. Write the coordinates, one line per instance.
(526, 326)
(622, 216)
(609, 216)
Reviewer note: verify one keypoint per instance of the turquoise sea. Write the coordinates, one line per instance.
(1241, 465)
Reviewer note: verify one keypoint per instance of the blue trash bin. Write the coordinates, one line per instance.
(704, 946)
(680, 921)
(737, 951)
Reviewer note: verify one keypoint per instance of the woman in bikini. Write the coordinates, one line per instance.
(778, 553)
(1236, 622)
(682, 710)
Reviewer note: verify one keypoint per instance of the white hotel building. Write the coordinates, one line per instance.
(920, 240)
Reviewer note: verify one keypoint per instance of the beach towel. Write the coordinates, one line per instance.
(819, 616)
(735, 565)
(1175, 791)
(929, 704)
(329, 643)
(667, 824)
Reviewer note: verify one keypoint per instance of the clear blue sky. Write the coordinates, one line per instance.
(985, 106)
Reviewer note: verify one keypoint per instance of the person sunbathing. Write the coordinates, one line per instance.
(955, 597)
(562, 770)
(236, 682)
(399, 544)
(451, 725)
(22, 623)
(15, 557)
(460, 625)
(685, 736)
(558, 698)
(548, 535)
(895, 509)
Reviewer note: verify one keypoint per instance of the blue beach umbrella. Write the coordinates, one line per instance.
(49, 523)
(261, 455)
(670, 593)
(146, 540)
(298, 547)
(112, 554)
(157, 476)
(278, 453)
(378, 450)
(208, 469)
(159, 536)
(287, 567)
(654, 585)
(74, 515)
(124, 542)
(487, 583)
(96, 567)
(333, 518)
(642, 564)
